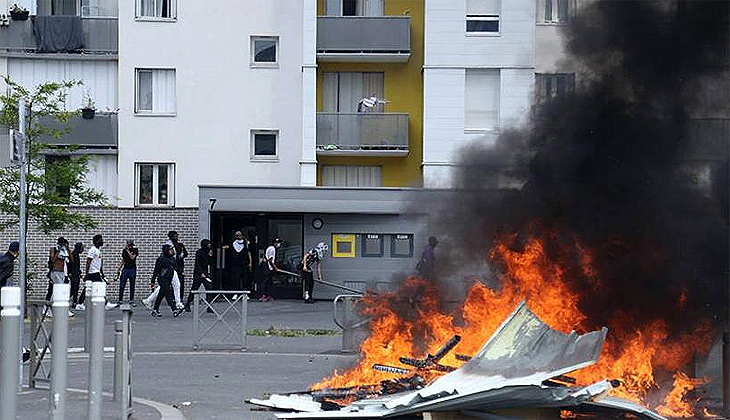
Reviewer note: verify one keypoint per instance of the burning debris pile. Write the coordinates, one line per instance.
(523, 365)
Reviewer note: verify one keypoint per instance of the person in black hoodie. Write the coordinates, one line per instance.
(74, 272)
(201, 271)
(165, 266)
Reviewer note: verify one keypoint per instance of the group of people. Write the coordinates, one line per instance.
(168, 277)
(243, 274)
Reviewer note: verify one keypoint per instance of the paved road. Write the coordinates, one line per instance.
(212, 384)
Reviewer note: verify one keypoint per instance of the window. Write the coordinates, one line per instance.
(343, 246)
(264, 51)
(401, 246)
(553, 85)
(157, 9)
(56, 184)
(481, 99)
(553, 11)
(264, 144)
(155, 93)
(353, 7)
(103, 8)
(482, 16)
(351, 176)
(154, 184)
(372, 245)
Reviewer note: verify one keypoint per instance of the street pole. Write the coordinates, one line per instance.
(10, 301)
(59, 350)
(22, 227)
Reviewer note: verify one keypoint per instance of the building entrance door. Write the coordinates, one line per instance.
(259, 229)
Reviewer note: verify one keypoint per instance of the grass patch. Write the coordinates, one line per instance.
(292, 332)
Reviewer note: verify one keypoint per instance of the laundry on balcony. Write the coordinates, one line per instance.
(58, 33)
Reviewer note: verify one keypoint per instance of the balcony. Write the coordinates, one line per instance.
(97, 133)
(100, 36)
(363, 134)
(380, 39)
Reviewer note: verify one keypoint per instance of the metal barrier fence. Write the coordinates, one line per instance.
(39, 312)
(220, 321)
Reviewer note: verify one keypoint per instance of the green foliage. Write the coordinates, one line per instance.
(55, 175)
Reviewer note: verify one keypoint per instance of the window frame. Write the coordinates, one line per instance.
(155, 184)
(381, 240)
(476, 17)
(393, 238)
(264, 158)
(540, 84)
(264, 64)
(497, 126)
(144, 113)
(344, 237)
(554, 21)
(140, 18)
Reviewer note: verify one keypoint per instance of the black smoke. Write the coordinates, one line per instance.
(632, 165)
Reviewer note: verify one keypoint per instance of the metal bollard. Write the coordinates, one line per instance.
(59, 351)
(9, 373)
(125, 381)
(87, 316)
(118, 361)
(96, 350)
(347, 332)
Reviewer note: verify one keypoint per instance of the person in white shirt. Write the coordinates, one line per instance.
(270, 256)
(95, 265)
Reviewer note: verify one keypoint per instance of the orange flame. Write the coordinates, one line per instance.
(630, 355)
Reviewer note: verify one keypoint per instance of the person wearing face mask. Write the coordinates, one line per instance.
(312, 258)
(239, 263)
(271, 269)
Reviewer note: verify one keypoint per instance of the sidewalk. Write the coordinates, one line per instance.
(206, 384)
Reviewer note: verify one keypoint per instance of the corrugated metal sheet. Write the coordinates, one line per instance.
(508, 372)
(99, 78)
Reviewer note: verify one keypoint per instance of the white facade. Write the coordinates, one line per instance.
(453, 58)
(220, 96)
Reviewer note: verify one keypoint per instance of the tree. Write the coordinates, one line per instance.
(55, 175)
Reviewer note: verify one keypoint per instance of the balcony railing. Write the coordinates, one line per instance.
(98, 132)
(100, 36)
(364, 38)
(362, 134)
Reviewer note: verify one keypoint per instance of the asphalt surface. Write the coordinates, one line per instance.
(214, 384)
(205, 384)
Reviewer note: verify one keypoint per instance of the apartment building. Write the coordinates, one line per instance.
(191, 98)
(478, 71)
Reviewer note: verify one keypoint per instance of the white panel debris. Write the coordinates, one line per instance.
(508, 372)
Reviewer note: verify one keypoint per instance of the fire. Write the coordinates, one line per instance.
(675, 404)
(630, 354)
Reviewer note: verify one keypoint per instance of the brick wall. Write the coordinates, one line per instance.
(147, 227)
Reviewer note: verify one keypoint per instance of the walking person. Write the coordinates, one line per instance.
(239, 263)
(163, 272)
(271, 270)
(7, 263)
(127, 271)
(179, 255)
(74, 273)
(311, 258)
(201, 271)
(58, 259)
(94, 266)
(426, 266)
